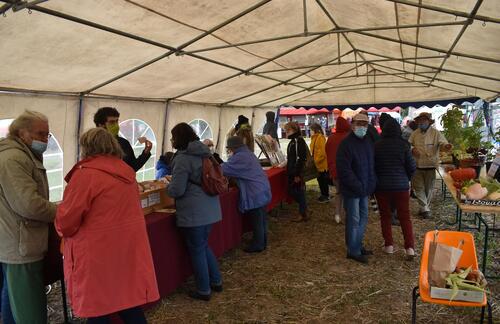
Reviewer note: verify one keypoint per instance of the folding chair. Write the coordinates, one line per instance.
(467, 259)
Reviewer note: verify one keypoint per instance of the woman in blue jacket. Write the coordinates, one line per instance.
(196, 210)
(255, 191)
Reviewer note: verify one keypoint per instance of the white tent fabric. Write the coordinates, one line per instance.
(390, 51)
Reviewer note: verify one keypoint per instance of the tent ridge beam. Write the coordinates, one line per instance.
(285, 82)
(443, 69)
(443, 80)
(361, 75)
(431, 48)
(446, 11)
(337, 30)
(353, 62)
(309, 89)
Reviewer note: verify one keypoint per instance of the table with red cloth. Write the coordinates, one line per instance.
(170, 256)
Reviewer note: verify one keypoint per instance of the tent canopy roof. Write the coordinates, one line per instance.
(253, 52)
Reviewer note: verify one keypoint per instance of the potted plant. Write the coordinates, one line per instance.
(469, 148)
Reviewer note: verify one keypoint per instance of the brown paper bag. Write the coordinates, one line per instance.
(443, 260)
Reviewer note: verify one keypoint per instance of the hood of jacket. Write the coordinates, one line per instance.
(270, 116)
(391, 128)
(342, 125)
(384, 117)
(111, 165)
(197, 148)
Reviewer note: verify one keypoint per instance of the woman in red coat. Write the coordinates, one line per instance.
(342, 129)
(108, 265)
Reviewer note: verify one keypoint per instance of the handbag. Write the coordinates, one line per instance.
(309, 172)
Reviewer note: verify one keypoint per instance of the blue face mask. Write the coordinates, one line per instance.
(360, 131)
(38, 147)
(423, 126)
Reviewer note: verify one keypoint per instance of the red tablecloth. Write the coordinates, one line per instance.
(170, 257)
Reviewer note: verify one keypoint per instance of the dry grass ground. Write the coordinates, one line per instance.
(304, 277)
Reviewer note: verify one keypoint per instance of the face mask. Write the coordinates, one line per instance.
(360, 131)
(113, 129)
(423, 126)
(38, 147)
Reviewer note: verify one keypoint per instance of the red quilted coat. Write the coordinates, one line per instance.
(107, 258)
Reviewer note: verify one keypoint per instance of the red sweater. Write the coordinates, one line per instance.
(342, 129)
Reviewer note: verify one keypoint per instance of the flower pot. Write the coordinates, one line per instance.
(474, 163)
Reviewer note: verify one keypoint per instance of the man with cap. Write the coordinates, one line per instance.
(426, 143)
(357, 180)
(255, 190)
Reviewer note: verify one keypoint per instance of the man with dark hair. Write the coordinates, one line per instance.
(107, 117)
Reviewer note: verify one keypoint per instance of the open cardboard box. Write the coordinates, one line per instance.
(463, 295)
(156, 199)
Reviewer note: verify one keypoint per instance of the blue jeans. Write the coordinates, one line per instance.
(298, 193)
(355, 226)
(258, 218)
(205, 267)
(7, 317)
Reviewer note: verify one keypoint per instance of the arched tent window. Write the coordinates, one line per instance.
(52, 160)
(132, 129)
(202, 129)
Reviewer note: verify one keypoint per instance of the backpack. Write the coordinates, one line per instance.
(213, 182)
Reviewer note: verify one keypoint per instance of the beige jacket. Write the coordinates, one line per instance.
(25, 210)
(428, 145)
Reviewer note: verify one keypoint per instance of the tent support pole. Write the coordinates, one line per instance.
(79, 125)
(470, 18)
(304, 5)
(165, 119)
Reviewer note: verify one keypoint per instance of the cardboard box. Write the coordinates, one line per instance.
(463, 295)
(155, 199)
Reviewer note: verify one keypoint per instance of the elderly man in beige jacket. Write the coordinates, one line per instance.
(426, 143)
(25, 214)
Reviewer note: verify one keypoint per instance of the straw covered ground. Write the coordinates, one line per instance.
(304, 277)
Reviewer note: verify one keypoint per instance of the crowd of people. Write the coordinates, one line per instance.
(108, 265)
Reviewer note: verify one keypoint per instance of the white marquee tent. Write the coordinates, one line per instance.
(164, 62)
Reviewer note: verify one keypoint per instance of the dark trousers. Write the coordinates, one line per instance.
(298, 192)
(258, 218)
(323, 181)
(7, 317)
(402, 201)
(133, 315)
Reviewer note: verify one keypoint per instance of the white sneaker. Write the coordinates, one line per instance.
(337, 218)
(389, 249)
(410, 253)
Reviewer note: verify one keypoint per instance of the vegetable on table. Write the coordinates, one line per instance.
(476, 191)
(463, 174)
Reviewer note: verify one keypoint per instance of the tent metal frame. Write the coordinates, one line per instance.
(340, 31)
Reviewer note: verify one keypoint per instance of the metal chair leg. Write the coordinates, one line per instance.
(490, 314)
(415, 295)
(65, 304)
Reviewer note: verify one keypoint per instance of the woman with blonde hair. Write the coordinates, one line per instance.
(108, 265)
(318, 153)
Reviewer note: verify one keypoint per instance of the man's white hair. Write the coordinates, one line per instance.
(25, 121)
(207, 141)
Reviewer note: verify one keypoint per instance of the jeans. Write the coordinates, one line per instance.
(205, 266)
(355, 226)
(258, 218)
(133, 315)
(298, 192)
(401, 201)
(323, 180)
(7, 317)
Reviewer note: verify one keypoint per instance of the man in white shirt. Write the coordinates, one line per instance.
(426, 142)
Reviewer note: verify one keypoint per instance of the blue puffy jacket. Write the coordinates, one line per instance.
(394, 163)
(253, 183)
(355, 166)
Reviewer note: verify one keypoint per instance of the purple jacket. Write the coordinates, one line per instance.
(253, 183)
